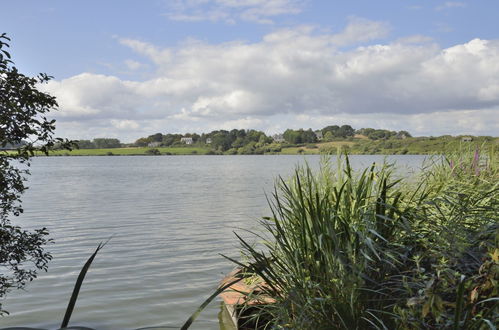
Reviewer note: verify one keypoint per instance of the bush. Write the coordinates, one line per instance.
(348, 250)
(328, 150)
(152, 151)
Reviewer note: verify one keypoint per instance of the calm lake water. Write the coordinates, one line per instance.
(170, 217)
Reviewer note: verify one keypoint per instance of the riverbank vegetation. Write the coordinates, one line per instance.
(24, 132)
(328, 140)
(370, 250)
(359, 145)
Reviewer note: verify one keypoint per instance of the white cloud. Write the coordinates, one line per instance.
(450, 4)
(133, 65)
(157, 55)
(294, 77)
(243, 123)
(125, 124)
(230, 11)
(361, 30)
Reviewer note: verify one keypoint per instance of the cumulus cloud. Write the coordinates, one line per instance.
(361, 29)
(133, 65)
(231, 11)
(296, 77)
(450, 4)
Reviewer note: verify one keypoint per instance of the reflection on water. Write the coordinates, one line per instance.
(170, 218)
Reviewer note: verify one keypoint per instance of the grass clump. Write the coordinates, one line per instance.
(361, 250)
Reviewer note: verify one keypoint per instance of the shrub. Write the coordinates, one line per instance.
(328, 150)
(348, 250)
(153, 151)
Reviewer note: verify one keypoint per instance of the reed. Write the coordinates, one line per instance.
(359, 250)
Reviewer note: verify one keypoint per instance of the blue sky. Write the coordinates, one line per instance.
(133, 68)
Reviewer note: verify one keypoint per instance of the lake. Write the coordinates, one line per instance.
(170, 218)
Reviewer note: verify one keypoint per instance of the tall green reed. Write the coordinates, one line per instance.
(357, 250)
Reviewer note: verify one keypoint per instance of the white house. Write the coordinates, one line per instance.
(318, 135)
(154, 144)
(278, 138)
(401, 135)
(186, 140)
(208, 141)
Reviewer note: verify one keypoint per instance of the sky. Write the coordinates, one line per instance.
(128, 69)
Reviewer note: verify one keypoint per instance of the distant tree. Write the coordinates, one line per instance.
(170, 139)
(23, 123)
(333, 129)
(365, 131)
(253, 135)
(195, 137)
(103, 143)
(346, 131)
(142, 142)
(403, 133)
(262, 141)
(158, 137)
(221, 140)
(248, 149)
(328, 137)
(376, 134)
(308, 136)
(85, 144)
(292, 136)
(238, 143)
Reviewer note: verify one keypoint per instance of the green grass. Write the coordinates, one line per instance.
(366, 250)
(133, 151)
(357, 146)
(419, 145)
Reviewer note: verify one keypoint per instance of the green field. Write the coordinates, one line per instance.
(357, 146)
(133, 151)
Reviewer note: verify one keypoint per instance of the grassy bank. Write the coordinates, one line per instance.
(354, 146)
(133, 151)
(366, 250)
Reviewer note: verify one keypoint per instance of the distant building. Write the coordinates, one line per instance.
(466, 139)
(154, 144)
(278, 138)
(318, 135)
(186, 140)
(208, 141)
(401, 135)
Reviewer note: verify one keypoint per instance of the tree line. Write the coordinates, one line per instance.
(249, 140)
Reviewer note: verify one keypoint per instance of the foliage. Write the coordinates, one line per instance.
(154, 151)
(376, 134)
(364, 250)
(99, 143)
(366, 141)
(23, 125)
(78, 284)
(336, 131)
(300, 136)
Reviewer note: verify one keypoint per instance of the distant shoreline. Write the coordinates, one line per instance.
(409, 146)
